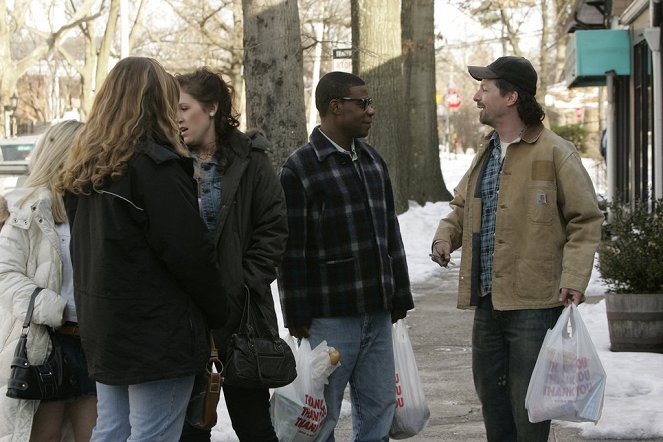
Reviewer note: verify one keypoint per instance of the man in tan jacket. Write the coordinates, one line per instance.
(526, 216)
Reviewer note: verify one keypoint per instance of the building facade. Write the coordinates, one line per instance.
(617, 43)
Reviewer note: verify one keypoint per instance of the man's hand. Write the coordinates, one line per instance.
(397, 314)
(441, 253)
(299, 331)
(566, 296)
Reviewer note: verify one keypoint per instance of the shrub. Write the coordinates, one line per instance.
(631, 253)
(575, 133)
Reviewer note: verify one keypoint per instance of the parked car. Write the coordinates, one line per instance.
(17, 148)
(14, 157)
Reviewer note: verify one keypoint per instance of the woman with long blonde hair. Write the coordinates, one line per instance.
(34, 252)
(146, 285)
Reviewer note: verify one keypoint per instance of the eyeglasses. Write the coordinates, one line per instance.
(363, 102)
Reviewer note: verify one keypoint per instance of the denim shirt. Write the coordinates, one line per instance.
(209, 191)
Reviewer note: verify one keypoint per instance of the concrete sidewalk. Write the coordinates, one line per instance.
(441, 338)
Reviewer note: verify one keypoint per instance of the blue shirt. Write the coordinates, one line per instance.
(490, 187)
(209, 181)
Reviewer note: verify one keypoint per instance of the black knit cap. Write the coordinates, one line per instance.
(516, 70)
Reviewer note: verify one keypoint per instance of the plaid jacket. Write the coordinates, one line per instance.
(344, 254)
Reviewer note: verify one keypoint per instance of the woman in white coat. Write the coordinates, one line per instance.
(34, 252)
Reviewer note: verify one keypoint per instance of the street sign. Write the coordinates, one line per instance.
(342, 60)
(342, 53)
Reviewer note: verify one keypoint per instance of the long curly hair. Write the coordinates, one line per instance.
(138, 100)
(208, 88)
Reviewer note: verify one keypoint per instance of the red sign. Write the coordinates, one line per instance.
(453, 99)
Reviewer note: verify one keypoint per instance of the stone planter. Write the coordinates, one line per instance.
(635, 322)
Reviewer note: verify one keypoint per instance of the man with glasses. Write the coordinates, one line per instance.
(344, 277)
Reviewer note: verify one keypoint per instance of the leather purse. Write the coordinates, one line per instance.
(50, 381)
(201, 411)
(258, 358)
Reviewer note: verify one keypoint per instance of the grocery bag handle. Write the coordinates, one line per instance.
(570, 325)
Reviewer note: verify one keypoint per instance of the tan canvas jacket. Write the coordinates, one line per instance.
(548, 224)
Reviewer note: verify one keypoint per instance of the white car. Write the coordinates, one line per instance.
(14, 157)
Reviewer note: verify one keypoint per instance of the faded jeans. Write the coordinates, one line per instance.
(367, 363)
(148, 412)
(505, 346)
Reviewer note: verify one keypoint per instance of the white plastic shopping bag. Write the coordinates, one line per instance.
(568, 381)
(298, 409)
(412, 413)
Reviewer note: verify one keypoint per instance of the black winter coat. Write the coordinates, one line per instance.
(145, 281)
(251, 233)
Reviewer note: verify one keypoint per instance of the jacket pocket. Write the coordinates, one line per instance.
(339, 271)
(534, 279)
(335, 261)
(541, 204)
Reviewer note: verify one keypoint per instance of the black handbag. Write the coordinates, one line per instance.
(258, 358)
(50, 381)
(201, 411)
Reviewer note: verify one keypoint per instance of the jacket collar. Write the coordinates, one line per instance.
(530, 135)
(324, 148)
(157, 152)
(243, 143)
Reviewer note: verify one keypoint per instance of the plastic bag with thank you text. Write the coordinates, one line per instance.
(298, 409)
(568, 381)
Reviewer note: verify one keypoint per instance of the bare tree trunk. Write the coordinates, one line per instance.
(419, 74)
(274, 74)
(86, 71)
(512, 32)
(106, 43)
(237, 57)
(544, 60)
(376, 36)
(561, 16)
(94, 69)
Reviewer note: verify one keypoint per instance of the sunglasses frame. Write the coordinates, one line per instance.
(363, 102)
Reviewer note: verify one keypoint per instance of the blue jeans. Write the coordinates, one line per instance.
(505, 346)
(152, 411)
(367, 362)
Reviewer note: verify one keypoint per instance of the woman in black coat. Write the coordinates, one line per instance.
(145, 280)
(243, 207)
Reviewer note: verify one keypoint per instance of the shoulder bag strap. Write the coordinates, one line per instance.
(214, 358)
(261, 311)
(31, 306)
(246, 324)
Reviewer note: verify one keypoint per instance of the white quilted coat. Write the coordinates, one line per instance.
(29, 257)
